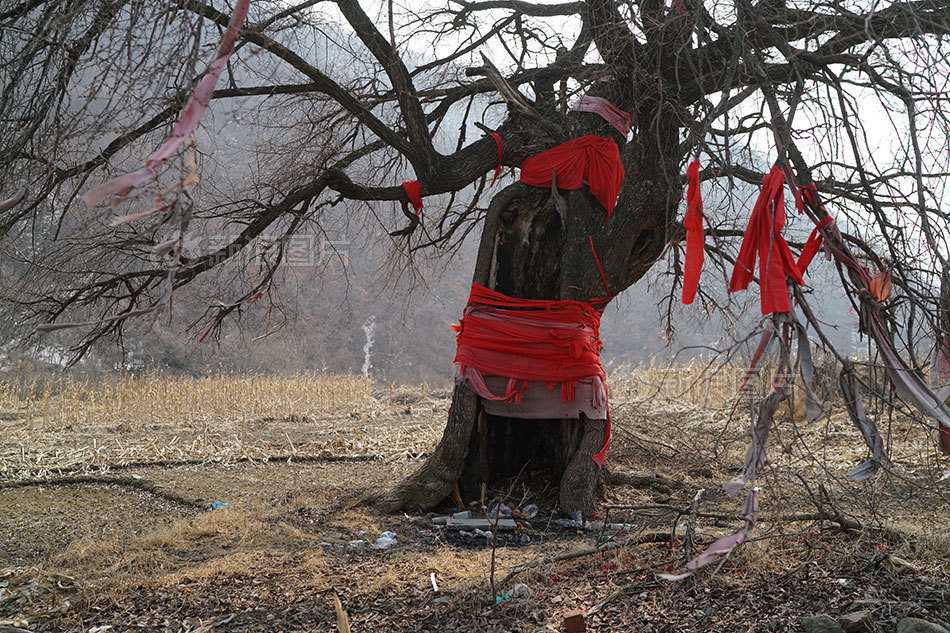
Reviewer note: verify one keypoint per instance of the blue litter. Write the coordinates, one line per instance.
(220, 505)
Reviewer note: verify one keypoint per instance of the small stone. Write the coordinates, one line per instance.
(857, 622)
(916, 625)
(821, 624)
(574, 621)
(384, 542)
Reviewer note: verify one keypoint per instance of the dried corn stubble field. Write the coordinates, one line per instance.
(120, 534)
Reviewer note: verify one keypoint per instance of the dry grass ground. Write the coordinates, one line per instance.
(132, 545)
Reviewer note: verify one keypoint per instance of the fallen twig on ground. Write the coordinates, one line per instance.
(650, 537)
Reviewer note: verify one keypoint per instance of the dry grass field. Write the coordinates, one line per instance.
(106, 488)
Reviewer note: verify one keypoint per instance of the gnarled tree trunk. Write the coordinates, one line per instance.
(536, 244)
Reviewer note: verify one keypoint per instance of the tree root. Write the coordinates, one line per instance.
(436, 478)
(578, 488)
(652, 481)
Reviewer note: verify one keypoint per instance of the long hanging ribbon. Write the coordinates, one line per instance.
(11, 202)
(943, 350)
(599, 456)
(497, 138)
(610, 113)
(764, 236)
(908, 383)
(190, 115)
(414, 192)
(695, 238)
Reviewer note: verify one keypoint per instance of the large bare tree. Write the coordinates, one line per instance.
(348, 98)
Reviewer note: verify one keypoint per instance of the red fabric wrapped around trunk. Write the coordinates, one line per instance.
(529, 340)
(589, 158)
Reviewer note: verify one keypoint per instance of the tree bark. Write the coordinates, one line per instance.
(536, 244)
(522, 254)
(437, 476)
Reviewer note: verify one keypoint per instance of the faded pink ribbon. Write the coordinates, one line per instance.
(724, 545)
(119, 188)
(611, 113)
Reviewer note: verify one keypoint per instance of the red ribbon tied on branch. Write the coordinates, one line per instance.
(812, 245)
(764, 236)
(806, 195)
(497, 138)
(695, 238)
(414, 192)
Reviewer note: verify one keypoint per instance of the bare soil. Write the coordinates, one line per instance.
(134, 545)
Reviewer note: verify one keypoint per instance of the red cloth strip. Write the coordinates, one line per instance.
(530, 340)
(610, 113)
(591, 158)
(414, 192)
(602, 453)
(806, 195)
(497, 138)
(943, 363)
(600, 268)
(207, 330)
(764, 236)
(695, 238)
(812, 245)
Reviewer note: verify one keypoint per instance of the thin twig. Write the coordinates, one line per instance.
(650, 537)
